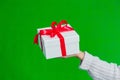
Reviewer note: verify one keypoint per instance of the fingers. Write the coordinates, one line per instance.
(72, 55)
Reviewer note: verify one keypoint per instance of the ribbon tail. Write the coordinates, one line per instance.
(36, 39)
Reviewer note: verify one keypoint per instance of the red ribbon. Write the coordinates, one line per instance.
(55, 31)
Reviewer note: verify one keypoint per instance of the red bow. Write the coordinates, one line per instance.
(55, 31)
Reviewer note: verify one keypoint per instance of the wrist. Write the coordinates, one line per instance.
(80, 55)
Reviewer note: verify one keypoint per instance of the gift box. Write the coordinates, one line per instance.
(58, 40)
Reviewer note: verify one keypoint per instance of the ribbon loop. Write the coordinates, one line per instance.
(53, 25)
(63, 22)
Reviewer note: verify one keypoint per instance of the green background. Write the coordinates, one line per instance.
(96, 21)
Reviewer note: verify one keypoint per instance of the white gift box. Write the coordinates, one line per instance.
(51, 46)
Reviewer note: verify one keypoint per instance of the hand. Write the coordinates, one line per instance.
(80, 55)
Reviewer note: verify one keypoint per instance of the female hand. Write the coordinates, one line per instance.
(79, 55)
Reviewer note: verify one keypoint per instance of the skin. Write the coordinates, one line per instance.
(80, 55)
